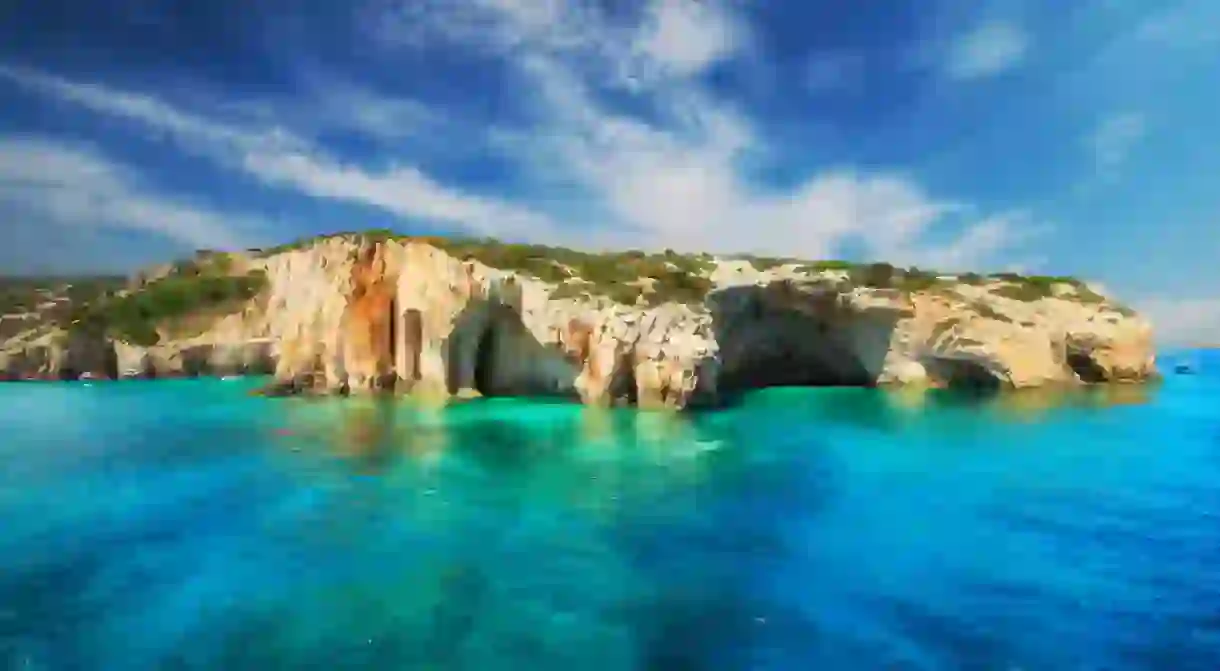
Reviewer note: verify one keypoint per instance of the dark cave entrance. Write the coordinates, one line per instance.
(1085, 367)
(796, 351)
(392, 329)
(412, 340)
(622, 388)
(485, 361)
(387, 372)
(797, 369)
(108, 369)
(962, 375)
(813, 345)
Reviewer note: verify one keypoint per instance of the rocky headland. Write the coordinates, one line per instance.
(375, 312)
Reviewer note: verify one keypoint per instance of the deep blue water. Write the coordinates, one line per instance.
(185, 525)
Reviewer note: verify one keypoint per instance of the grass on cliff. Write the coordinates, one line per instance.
(683, 277)
(190, 288)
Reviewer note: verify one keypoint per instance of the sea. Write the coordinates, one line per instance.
(185, 524)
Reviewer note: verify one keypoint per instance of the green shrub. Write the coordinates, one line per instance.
(1087, 295)
(916, 280)
(134, 317)
(621, 292)
(875, 276)
(679, 287)
(986, 311)
(1022, 291)
(571, 290)
(819, 266)
(1007, 277)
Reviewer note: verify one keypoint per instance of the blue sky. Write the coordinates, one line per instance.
(1063, 138)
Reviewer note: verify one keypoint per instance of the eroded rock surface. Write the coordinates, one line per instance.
(347, 316)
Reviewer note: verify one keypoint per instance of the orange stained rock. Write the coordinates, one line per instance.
(369, 313)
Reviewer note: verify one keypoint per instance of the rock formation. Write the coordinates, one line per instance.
(350, 315)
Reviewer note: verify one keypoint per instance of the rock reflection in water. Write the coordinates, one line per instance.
(1024, 405)
(532, 531)
(538, 531)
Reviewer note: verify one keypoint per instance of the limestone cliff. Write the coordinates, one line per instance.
(353, 315)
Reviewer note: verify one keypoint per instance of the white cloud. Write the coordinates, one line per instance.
(343, 105)
(667, 39)
(677, 180)
(404, 191)
(988, 239)
(74, 187)
(1189, 24)
(680, 175)
(1113, 139)
(147, 110)
(276, 157)
(1183, 320)
(988, 50)
(687, 37)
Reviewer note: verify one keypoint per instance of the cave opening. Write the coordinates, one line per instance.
(623, 388)
(797, 369)
(792, 350)
(412, 340)
(392, 328)
(963, 375)
(485, 361)
(388, 374)
(1085, 367)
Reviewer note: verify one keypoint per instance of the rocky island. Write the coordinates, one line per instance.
(360, 313)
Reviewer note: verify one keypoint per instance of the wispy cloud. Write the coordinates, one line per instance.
(1188, 24)
(277, 157)
(343, 105)
(988, 50)
(685, 38)
(678, 175)
(664, 40)
(77, 188)
(1113, 139)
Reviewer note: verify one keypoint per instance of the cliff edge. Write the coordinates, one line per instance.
(358, 313)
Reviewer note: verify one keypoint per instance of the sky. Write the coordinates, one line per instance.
(1042, 137)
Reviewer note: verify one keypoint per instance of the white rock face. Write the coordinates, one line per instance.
(343, 316)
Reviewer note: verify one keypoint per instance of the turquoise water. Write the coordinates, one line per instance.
(184, 525)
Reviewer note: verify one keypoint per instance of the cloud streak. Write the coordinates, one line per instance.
(986, 51)
(1113, 139)
(74, 187)
(678, 177)
(680, 174)
(276, 157)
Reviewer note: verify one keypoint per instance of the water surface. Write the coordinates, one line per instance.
(185, 525)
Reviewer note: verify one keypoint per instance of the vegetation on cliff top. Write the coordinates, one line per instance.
(634, 275)
(190, 288)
